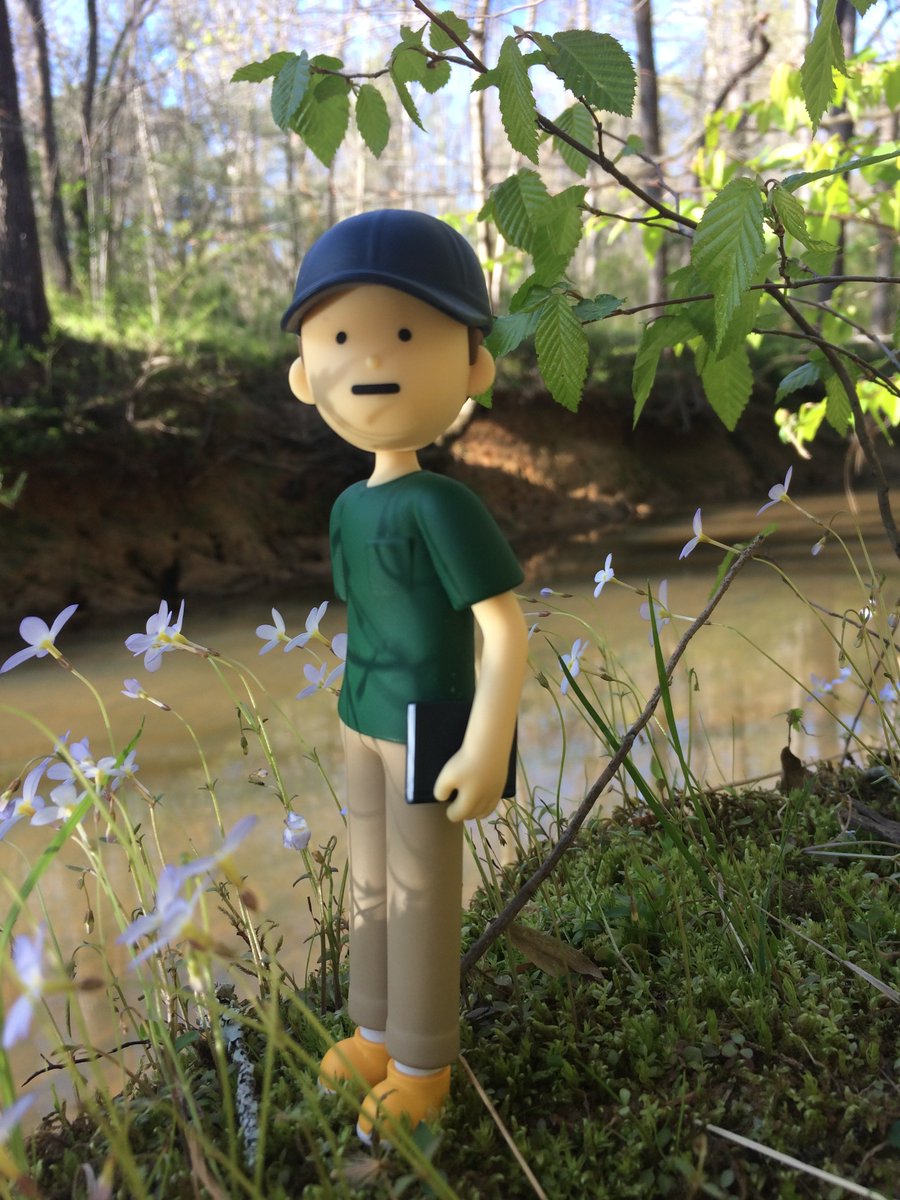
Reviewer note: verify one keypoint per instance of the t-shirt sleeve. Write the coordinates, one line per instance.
(470, 555)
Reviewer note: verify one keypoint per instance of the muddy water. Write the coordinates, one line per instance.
(738, 679)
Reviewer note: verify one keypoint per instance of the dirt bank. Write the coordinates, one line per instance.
(237, 499)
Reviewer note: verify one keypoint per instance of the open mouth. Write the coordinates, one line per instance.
(375, 389)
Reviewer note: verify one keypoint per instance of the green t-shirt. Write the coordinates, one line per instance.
(410, 558)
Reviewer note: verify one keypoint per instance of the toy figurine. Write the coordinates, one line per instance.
(391, 309)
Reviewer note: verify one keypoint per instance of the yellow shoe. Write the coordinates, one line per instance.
(414, 1098)
(355, 1061)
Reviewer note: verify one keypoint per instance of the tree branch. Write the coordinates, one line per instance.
(505, 918)
(802, 336)
(882, 490)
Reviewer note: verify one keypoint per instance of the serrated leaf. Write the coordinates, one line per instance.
(804, 376)
(594, 66)
(510, 332)
(412, 37)
(576, 122)
(562, 352)
(595, 310)
(838, 413)
(289, 88)
(665, 331)
(372, 118)
(517, 107)
(792, 182)
(862, 6)
(556, 237)
(553, 956)
(790, 212)
(440, 39)
(529, 295)
(728, 383)
(824, 52)
(436, 76)
(485, 80)
(728, 244)
(256, 72)
(409, 105)
(323, 117)
(407, 65)
(519, 203)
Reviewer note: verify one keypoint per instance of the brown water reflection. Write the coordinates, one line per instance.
(736, 696)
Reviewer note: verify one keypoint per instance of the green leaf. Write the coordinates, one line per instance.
(728, 244)
(517, 107)
(892, 88)
(510, 332)
(289, 89)
(838, 413)
(824, 53)
(792, 216)
(529, 295)
(440, 40)
(372, 118)
(862, 6)
(485, 80)
(593, 66)
(792, 182)
(256, 72)
(436, 76)
(407, 101)
(576, 122)
(519, 205)
(601, 306)
(562, 352)
(728, 383)
(322, 118)
(557, 235)
(664, 331)
(408, 65)
(804, 376)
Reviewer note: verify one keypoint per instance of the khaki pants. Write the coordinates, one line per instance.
(406, 897)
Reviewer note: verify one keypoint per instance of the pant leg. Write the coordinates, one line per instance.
(366, 832)
(424, 901)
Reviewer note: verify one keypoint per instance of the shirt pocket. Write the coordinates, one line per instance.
(389, 566)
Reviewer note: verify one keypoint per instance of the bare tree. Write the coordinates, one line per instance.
(648, 97)
(23, 300)
(58, 232)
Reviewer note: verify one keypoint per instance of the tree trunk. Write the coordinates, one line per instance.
(23, 302)
(650, 128)
(81, 201)
(841, 123)
(58, 232)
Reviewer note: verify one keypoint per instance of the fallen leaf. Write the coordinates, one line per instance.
(553, 956)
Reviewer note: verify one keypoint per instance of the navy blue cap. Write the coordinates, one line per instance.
(410, 251)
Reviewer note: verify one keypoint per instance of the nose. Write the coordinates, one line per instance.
(373, 361)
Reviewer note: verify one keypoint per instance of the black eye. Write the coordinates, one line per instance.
(404, 334)
(340, 338)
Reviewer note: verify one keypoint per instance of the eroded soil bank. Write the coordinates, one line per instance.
(230, 497)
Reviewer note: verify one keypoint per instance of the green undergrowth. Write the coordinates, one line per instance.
(606, 1069)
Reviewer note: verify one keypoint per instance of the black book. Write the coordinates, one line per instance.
(434, 732)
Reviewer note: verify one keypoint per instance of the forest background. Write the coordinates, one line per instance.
(170, 213)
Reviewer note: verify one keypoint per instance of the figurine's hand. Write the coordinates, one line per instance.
(472, 783)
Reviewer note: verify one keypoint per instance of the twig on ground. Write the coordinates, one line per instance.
(789, 1161)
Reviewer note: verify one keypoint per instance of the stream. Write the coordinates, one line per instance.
(736, 683)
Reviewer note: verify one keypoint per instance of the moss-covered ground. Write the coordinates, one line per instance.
(608, 1072)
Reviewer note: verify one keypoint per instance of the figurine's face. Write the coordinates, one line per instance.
(385, 370)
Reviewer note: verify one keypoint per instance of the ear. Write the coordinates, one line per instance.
(299, 382)
(481, 372)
